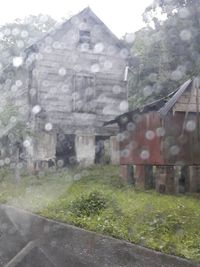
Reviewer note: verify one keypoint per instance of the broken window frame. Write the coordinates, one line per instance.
(81, 84)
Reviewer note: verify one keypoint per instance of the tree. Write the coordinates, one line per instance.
(168, 50)
(18, 35)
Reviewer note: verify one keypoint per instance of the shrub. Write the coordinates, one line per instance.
(87, 205)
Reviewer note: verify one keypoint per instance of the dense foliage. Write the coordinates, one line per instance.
(167, 48)
(88, 205)
(18, 35)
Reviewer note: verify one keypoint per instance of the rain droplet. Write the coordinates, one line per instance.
(160, 131)
(144, 154)
(14, 88)
(48, 126)
(24, 34)
(116, 89)
(27, 143)
(17, 61)
(176, 75)
(130, 37)
(150, 135)
(95, 68)
(98, 48)
(190, 126)
(7, 161)
(185, 35)
(60, 163)
(77, 177)
(125, 153)
(130, 126)
(36, 109)
(174, 150)
(147, 91)
(124, 53)
(107, 64)
(123, 106)
(32, 91)
(15, 31)
(13, 119)
(18, 83)
(120, 137)
(183, 13)
(62, 71)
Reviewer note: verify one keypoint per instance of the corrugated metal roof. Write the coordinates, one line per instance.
(172, 101)
(162, 105)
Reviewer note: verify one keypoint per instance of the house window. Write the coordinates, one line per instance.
(84, 37)
(84, 94)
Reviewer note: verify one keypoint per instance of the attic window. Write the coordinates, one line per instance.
(84, 37)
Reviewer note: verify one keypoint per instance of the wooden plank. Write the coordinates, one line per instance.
(185, 107)
(186, 100)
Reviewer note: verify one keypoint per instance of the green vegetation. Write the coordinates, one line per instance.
(166, 51)
(94, 199)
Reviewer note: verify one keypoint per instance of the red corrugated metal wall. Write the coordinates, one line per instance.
(149, 139)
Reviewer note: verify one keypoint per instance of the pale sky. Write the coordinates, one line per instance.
(121, 16)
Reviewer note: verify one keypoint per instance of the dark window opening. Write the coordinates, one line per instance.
(149, 177)
(84, 37)
(65, 150)
(84, 97)
(184, 179)
(102, 150)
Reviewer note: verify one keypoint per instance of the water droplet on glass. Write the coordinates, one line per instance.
(183, 13)
(95, 68)
(123, 106)
(98, 48)
(190, 126)
(27, 143)
(174, 150)
(144, 154)
(150, 135)
(147, 91)
(48, 126)
(116, 89)
(62, 71)
(160, 131)
(130, 37)
(17, 61)
(36, 109)
(60, 163)
(185, 35)
(18, 83)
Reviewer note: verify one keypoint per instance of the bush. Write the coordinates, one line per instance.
(87, 205)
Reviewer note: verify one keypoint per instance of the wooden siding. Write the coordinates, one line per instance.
(189, 101)
(63, 70)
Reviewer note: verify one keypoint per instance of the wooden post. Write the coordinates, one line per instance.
(165, 179)
(126, 174)
(184, 181)
(140, 176)
(144, 176)
(194, 179)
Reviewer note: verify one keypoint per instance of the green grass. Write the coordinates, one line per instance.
(166, 223)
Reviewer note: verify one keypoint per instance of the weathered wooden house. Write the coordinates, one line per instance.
(162, 141)
(65, 87)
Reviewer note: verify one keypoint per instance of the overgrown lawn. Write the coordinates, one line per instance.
(94, 199)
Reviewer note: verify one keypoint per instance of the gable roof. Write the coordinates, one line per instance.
(162, 105)
(85, 12)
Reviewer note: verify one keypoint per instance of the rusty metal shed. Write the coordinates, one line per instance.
(164, 134)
